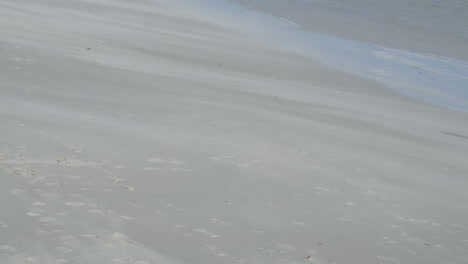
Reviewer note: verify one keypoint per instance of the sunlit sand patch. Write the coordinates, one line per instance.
(19, 192)
(33, 214)
(166, 160)
(75, 204)
(47, 219)
(3, 224)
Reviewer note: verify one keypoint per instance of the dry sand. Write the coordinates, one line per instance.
(153, 132)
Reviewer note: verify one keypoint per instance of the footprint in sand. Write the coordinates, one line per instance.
(63, 249)
(48, 195)
(76, 196)
(129, 261)
(54, 184)
(47, 220)
(166, 160)
(116, 180)
(219, 222)
(121, 239)
(33, 214)
(3, 224)
(90, 236)
(128, 188)
(73, 177)
(96, 211)
(21, 60)
(74, 148)
(301, 224)
(179, 228)
(19, 192)
(127, 218)
(206, 232)
(18, 123)
(75, 204)
(23, 172)
(216, 251)
(8, 249)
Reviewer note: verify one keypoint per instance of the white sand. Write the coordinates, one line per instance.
(146, 132)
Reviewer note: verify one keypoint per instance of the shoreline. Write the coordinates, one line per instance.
(397, 25)
(437, 80)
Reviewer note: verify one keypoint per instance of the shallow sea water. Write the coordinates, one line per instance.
(430, 27)
(417, 48)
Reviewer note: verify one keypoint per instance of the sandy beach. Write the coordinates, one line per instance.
(159, 131)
